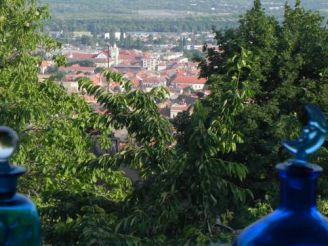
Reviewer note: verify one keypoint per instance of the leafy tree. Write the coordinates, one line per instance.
(194, 55)
(128, 42)
(138, 44)
(259, 79)
(52, 69)
(289, 65)
(180, 47)
(122, 36)
(86, 40)
(54, 129)
(112, 38)
(185, 186)
(83, 63)
(58, 76)
(99, 69)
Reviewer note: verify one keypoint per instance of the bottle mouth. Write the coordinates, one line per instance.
(12, 171)
(299, 168)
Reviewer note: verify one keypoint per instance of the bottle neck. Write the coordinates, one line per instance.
(8, 180)
(298, 186)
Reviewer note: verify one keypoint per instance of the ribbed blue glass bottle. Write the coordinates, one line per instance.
(296, 221)
(19, 220)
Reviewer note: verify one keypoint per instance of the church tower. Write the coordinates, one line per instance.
(115, 53)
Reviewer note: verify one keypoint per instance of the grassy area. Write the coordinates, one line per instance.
(68, 9)
(151, 15)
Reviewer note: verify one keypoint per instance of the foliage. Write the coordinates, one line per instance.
(83, 63)
(139, 23)
(288, 62)
(193, 54)
(54, 128)
(225, 146)
(58, 76)
(147, 15)
(184, 186)
(261, 210)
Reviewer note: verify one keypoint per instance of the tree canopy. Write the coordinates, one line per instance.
(212, 163)
(289, 63)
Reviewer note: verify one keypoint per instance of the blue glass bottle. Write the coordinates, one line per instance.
(297, 221)
(19, 220)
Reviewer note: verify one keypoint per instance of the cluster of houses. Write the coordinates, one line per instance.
(146, 70)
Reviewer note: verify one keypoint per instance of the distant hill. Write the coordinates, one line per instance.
(68, 9)
(78, 13)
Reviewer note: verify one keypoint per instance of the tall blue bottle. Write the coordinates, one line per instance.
(297, 221)
(19, 220)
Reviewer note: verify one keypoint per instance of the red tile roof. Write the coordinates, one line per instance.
(153, 80)
(79, 55)
(77, 67)
(188, 80)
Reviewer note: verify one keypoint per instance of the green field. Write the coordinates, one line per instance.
(153, 15)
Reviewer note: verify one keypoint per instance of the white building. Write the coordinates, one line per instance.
(115, 53)
(182, 82)
(172, 56)
(177, 108)
(150, 63)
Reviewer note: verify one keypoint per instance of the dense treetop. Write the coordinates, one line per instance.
(212, 163)
(288, 68)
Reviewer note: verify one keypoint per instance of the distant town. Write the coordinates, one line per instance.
(159, 50)
(168, 65)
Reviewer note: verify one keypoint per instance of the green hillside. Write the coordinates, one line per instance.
(153, 15)
(100, 8)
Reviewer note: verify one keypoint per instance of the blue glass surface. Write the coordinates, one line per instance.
(313, 135)
(297, 221)
(19, 220)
